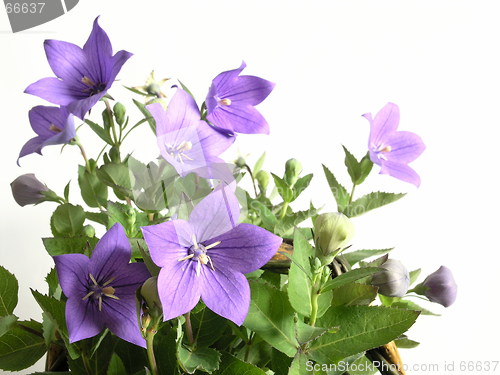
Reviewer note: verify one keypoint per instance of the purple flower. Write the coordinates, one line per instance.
(186, 141)
(440, 287)
(26, 189)
(231, 100)
(54, 126)
(84, 75)
(101, 290)
(392, 149)
(207, 257)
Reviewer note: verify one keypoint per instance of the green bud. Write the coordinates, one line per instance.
(240, 162)
(149, 292)
(332, 232)
(263, 179)
(88, 230)
(131, 215)
(114, 154)
(119, 111)
(107, 119)
(292, 171)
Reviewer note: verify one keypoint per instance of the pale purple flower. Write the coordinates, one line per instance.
(83, 75)
(26, 189)
(54, 126)
(207, 257)
(394, 280)
(231, 99)
(440, 287)
(392, 149)
(101, 290)
(185, 141)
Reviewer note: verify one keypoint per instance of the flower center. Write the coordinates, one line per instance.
(225, 102)
(94, 88)
(381, 150)
(55, 128)
(198, 253)
(98, 291)
(178, 152)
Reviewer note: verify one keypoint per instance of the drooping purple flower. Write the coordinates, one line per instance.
(83, 75)
(54, 126)
(392, 149)
(186, 141)
(27, 189)
(231, 100)
(440, 287)
(101, 290)
(207, 257)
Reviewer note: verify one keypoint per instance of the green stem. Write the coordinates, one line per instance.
(314, 304)
(84, 154)
(253, 180)
(86, 364)
(352, 193)
(110, 112)
(283, 213)
(249, 344)
(151, 355)
(189, 328)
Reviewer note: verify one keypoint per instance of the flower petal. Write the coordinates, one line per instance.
(179, 288)
(384, 125)
(250, 90)
(245, 248)
(226, 80)
(54, 90)
(213, 143)
(99, 52)
(80, 107)
(240, 117)
(83, 319)
(405, 147)
(72, 271)
(402, 172)
(117, 62)
(226, 293)
(216, 214)
(129, 278)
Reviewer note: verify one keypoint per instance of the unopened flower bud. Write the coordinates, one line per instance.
(439, 287)
(149, 292)
(394, 280)
(114, 154)
(26, 189)
(263, 178)
(240, 162)
(332, 232)
(88, 230)
(119, 111)
(292, 171)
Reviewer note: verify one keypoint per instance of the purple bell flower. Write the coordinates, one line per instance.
(394, 281)
(207, 257)
(231, 100)
(440, 287)
(26, 189)
(392, 149)
(83, 75)
(101, 290)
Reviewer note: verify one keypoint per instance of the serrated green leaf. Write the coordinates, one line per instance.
(409, 305)
(53, 283)
(230, 365)
(116, 176)
(167, 361)
(20, 349)
(361, 328)
(354, 294)
(207, 327)
(133, 357)
(268, 218)
(414, 276)
(299, 365)
(9, 288)
(258, 166)
(91, 187)
(370, 202)
(353, 167)
(271, 316)
(206, 359)
(100, 131)
(6, 323)
(116, 366)
(280, 362)
(292, 220)
(147, 115)
(68, 245)
(301, 185)
(283, 189)
(299, 275)
(355, 256)
(339, 192)
(354, 364)
(348, 277)
(49, 330)
(98, 217)
(307, 333)
(68, 219)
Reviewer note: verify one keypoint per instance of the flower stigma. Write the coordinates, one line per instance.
(225, 102)
(97, 291)
(178, 152)
(94, 88)
(198, 252)
(381, 150)
(55, 128)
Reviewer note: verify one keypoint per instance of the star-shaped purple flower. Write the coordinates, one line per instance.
(101, 290)
(392, 149)
(207, 257)
(54, 126)
(186, 141)
(231, 100)
(84, 75)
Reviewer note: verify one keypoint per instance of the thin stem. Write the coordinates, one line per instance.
(314, 304)
(86, 364)
(110, 112)
(352, 193)
(253, 180)
(151, 355)
(151, 216)
(283, 213)
(84, 154)
(249, 344)
(189, 328)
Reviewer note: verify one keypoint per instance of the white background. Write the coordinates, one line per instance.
(332, 62)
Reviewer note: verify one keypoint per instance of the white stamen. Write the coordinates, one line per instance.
(225, 102)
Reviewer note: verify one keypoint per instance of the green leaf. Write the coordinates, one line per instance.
(205, 359)
(405, 343)
(166, 354)
(49, 330)
(307, 333)
(339, 192)
(366, 166)
(259, 164)
(230, 365)
(361, 328)
(100, 131)
(20, 349)
(283, 189)
(118, 177)
(266, 215)
(271, 316)
(354, 294)
(116, 366)
(6, 323)
(8, 292)
(147, 115)
(353, 167)
(186, 89)
(66, 192)
(68, 245)
(207, 327)
(299, 365)
(153, 269)
(280, 362)
(68, 219)
(53, 283)
(91, 187)
(98, 217)
(348, 277)
(134, 358)
(299, 275)
(370, 202)
(355, 256)
(290, 221)
(258, 354)
(301, 185)
(414, 275)
(405, 304)
(357, 361)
